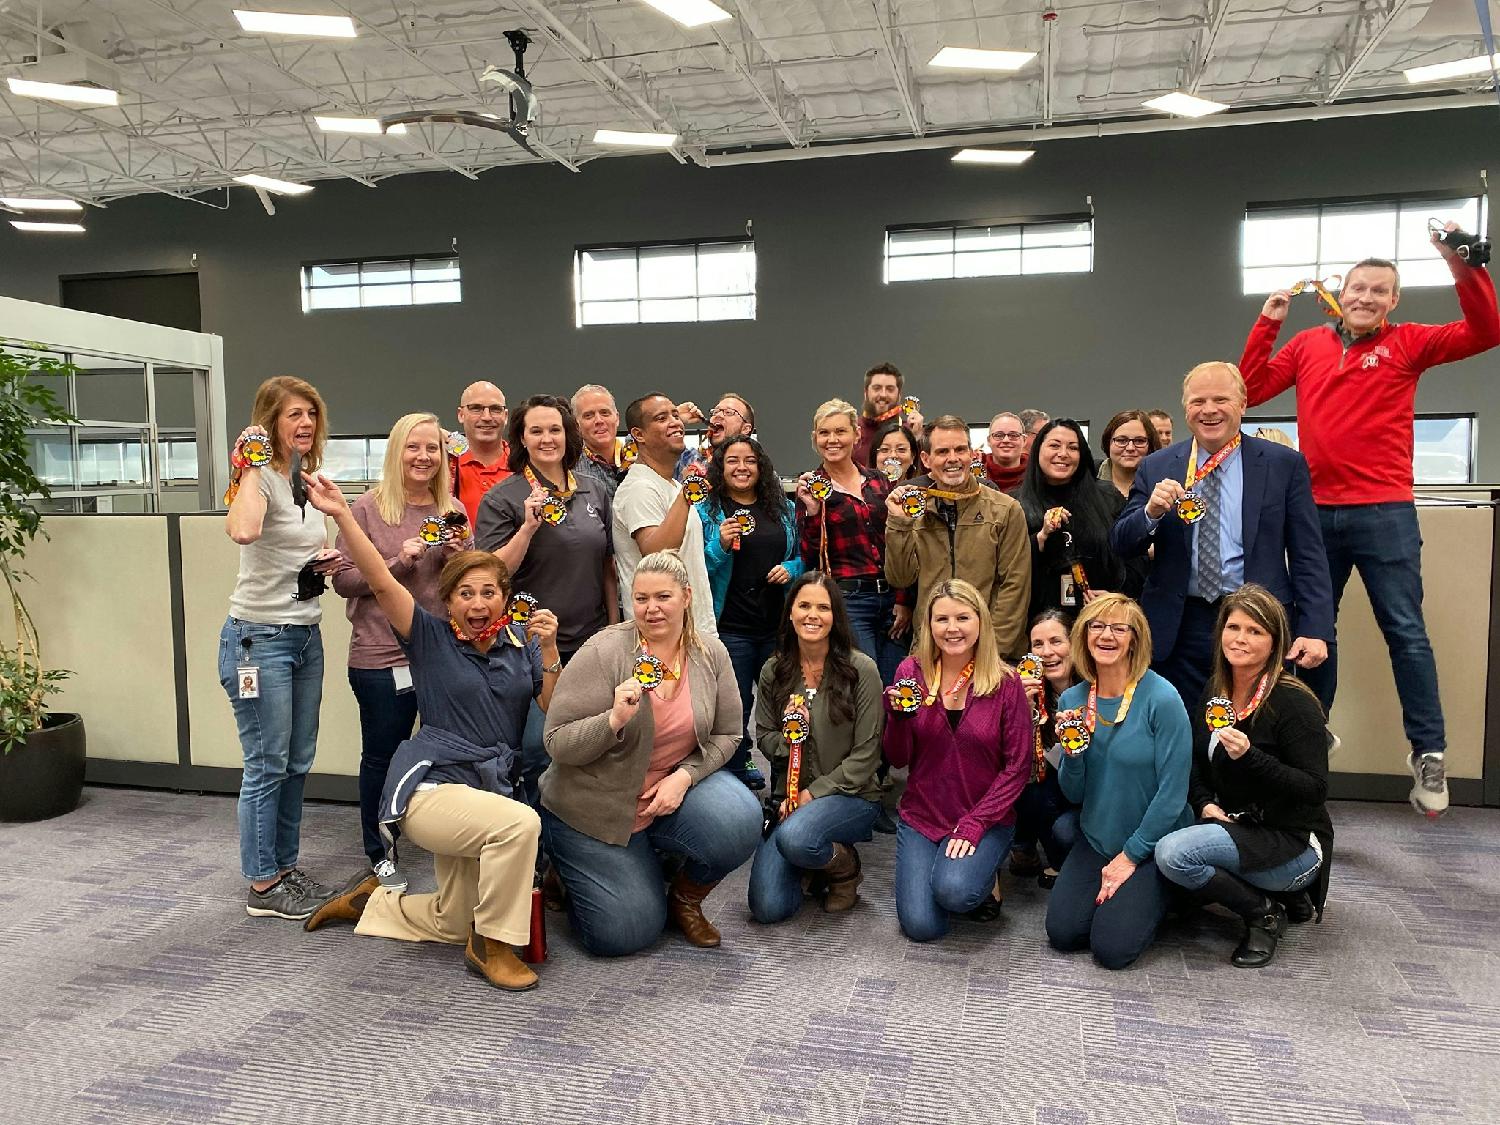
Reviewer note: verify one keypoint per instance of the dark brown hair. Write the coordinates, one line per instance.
(572, 436)
(885, 369)
(1153, 439)
(462, 563)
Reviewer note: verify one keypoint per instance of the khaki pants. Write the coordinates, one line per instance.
(484, 848)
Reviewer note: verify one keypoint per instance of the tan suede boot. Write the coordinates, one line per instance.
(497, 963)
(844, 875)
(685, 909)
(347, 904)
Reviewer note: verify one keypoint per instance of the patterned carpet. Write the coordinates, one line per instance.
(133, 988)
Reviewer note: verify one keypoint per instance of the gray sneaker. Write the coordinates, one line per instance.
(391, 877)
(1429, 793)
(287, 899)
(311, 886)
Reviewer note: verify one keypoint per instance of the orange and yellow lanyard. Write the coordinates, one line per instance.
(1196, 474)
(958, 685)
(531, 479)
(1091, 711)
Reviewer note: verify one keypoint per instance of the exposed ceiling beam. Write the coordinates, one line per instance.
(1203, 46)
(893, 47)
(103, 170)
(1365, 35)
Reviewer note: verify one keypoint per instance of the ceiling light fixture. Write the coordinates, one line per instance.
(64, 92)
(370, 125)
(1460, 68)
(691, 13)
(1010, 156)
(1185, 105)
(973, 58)
(625, 139)
(41, 204)
(54, 228)
(266, 183)
(288, 23)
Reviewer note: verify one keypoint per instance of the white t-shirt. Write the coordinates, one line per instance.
(268, 567)
(641, 501)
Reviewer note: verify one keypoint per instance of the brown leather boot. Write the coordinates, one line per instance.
(553, 895)
(347, 904)
(844, 875)
(685, 909)
(497, 963)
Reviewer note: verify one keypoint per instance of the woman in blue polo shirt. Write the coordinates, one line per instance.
(450, 785)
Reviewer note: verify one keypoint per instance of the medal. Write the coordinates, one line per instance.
(455, 524)
(1190, 507)
(256, 449)
(457, 443)
(913, 502)
(695, 488)
(908, 697)
(522, 606)
(554, 509)
(432, 531)
(794, 730)
(1030, 665)
(1220, 713)
(648, 671)
(819, 486)
(910, 405)
(1329, 302)
(746, 519)
(976, 466)
(1072, 732)
(891, 467)
(630, 453)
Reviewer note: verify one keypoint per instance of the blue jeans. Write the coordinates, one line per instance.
(1122, 928)
(617, 898)
(1385, 543)
(386, 719)
(1043, 815)
(1188, 857)
(278, 735)
(930, 886)
(804, 842)
(870, 617)
(747, 656)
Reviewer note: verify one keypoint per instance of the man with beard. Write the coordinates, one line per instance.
(883, 386)
(732, 417)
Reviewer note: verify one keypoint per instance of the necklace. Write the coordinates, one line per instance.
(958, 685)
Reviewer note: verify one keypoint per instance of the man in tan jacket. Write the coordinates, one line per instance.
(967, 530)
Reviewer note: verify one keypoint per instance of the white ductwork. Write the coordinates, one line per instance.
(1026, 135)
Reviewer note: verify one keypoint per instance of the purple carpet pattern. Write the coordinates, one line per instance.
(133, 988)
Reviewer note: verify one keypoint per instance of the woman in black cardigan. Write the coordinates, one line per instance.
(1259, 786)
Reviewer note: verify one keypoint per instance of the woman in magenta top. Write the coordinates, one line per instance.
(968, 743)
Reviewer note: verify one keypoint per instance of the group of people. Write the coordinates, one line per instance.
(1114, 678)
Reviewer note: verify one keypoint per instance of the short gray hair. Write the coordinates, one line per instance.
(589, 389)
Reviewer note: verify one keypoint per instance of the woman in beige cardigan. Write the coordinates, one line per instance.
(641, 720)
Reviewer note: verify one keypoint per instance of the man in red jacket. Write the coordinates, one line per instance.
(1356, 386)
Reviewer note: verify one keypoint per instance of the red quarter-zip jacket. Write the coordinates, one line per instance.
(1355, 405)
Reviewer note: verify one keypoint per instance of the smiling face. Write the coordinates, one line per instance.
(482, 413)
(1163, 426)
(421, 456)
(1127, 445)
(881, 393)
(954, 626)
(1049, 640)
(948, 456)
(660, 431)
(1369, 295)
(895, 446)
(296, 426)
(812, 614)
(599, 421)
(834, 438)
(660, 606)
(1058, 455)
(544, 437)
(1214, 406)
(741, 468)
(728, 419)
(477, 600)
(1247, 644)
(1007, 440)
(1110, 638)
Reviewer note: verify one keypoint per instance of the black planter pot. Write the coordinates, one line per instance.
(44, 775)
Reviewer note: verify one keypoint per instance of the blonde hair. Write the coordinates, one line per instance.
(1214, 365)
(270, 400)
(670, 563)
(1140, 645)
(1279, 436)
(989, 670)
(828, 410)
(390, 490)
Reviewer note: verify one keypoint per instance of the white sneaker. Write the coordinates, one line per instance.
(391, 877)
(1335, 744)
(1429, 794)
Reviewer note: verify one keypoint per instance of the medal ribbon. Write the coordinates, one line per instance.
(1194, 473)
(794, 773)
(1260, 694)
(610, 462)
(1091, 711)
(944, 494)
(671, 673)
(490, 630)
(958, 685)
(1039, 752)
(531, 479)
(889, 414)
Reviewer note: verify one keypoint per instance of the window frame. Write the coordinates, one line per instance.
(696, 244)
(1019, 222)
(1248, 426)
(411, 260)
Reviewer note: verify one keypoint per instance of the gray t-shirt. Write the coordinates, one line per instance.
(642, 501)
(268, 567)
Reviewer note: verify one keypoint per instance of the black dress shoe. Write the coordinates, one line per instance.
(883, 822)
(1261, 935)
(1299, 908)
(986, 911)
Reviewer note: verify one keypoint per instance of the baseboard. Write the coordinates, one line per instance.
(205, 779)
(1396, 787)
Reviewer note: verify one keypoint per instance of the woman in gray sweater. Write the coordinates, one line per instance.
(642, 719)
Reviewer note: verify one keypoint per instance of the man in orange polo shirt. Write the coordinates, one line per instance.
(483, 415)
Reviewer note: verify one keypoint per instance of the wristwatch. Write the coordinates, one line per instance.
(554, 667)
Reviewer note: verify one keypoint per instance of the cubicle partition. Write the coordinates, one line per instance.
(133, 605)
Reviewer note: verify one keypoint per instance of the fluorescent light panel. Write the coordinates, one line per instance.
(973, 58)
(634, 140)
(1185, 105)
(363, 125)
(266, 183)
(42, 204)
(54, 228)
(64, 92)
(1460, 68)
(287, 23)
(993, 156)
(690, 13)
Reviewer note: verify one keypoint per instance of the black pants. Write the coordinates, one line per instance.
(1188, 666)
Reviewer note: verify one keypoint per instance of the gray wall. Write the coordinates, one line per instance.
(1164, 293)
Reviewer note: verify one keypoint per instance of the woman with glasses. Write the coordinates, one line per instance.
(1129, 438)
(1069, 513)
(895, 453)
(1005, 463)
(1127, 756)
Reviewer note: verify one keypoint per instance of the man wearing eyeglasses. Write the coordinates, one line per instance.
(732, 417)
(1005, 463)
(483, 415)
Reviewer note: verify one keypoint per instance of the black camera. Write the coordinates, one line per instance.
(1470, 247)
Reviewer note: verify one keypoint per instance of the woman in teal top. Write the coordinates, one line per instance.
(1128, 759)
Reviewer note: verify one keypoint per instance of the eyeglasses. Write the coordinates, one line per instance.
(1113, 628)
(497, 411)
(1006, 435)
(725, 412)
(1118, 440)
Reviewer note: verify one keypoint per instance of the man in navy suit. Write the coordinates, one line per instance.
(1245, 514)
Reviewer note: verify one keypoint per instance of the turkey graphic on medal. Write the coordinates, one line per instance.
(1072, 732)
(432, 531)
(695, 489)
(913, 502)
(1190, 507)
(819, 486)
(794, 728)
(907, 697)
(1029, 666)
(648, 671)
(256, 450)
(1220, 714)
(521, 608)
(554, 509)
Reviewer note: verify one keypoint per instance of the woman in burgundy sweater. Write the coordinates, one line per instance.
(960, 718)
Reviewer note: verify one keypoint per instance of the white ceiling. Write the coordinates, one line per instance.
(202, 101)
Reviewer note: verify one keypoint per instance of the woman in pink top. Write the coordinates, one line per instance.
(959, 717)
(413, 489)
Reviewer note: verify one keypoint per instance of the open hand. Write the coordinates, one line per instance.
(324, 495)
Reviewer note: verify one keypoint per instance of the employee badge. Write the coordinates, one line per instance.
(648, 671)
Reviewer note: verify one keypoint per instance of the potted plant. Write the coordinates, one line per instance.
(41, 753)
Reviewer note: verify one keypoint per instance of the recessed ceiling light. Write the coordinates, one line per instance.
(64, 92)
(370, 125)
(42, 204)
(54, 228)
(1460, 68)
(634, 140)
(993, 155)
(266, 183)
(287, 23)
(972, 58)
(691, 13)
(1185, 105)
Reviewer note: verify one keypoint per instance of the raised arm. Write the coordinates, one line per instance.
(394, 599)
(667, 535)
(247, 513)
(1478, 331)
(1265, 377)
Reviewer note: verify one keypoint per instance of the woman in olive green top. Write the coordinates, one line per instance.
(819, 689)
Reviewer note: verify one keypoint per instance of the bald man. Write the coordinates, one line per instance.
(483, 415)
